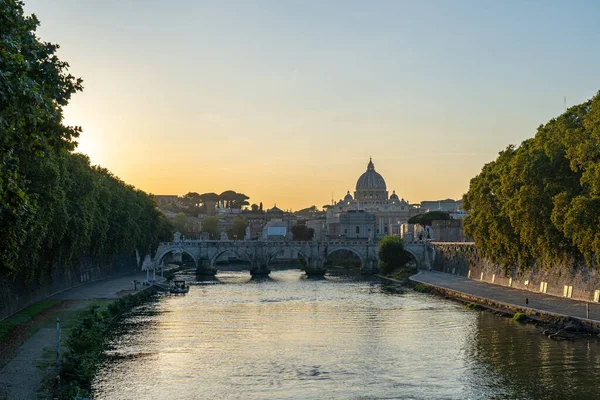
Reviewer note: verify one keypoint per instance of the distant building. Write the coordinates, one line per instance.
(319, 226)
(447, 205)
(275, 230)
(449, 231)
(357, 224)
(371, 196)
(166, 199)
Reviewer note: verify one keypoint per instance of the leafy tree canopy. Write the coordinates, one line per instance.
(392, 254)
(210, 226)
(427, 218)
(55, 208)
(540, 202)
(238, 230)
(302, 232)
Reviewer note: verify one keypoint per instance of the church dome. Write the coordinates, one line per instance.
(394, 196)
(370, 180)
(348, 197)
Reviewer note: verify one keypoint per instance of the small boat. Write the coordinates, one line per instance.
(178, 287)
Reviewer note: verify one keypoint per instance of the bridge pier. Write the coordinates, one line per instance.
(315, 268)
(204, 269)
(259, 270)
(260, 253)
(371, 266)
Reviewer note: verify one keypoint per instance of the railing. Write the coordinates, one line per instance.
(196, 243)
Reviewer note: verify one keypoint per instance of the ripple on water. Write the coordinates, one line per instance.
(339, 338)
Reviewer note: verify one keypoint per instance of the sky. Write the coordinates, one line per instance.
(285, 100)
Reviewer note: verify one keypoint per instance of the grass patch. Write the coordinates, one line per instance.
(85, 344)
(519, 317)
(24, 316)
(474, 306)
(421, 288)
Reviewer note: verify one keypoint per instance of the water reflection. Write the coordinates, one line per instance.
(521, 363)
(337, 338)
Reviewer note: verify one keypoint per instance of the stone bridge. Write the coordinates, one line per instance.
(259, 254)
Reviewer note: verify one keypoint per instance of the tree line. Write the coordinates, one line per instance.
(539, 203)
(55, 208)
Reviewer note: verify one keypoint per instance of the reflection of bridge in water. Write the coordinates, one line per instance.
(259, 254)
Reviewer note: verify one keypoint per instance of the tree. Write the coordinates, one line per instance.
(302, 232)
(539, 203)
(210, 226)
(311, 211)
(227, 198)
(238, 230)
(427, 218)
(55, 208)
(192, 199)
(34, 88)
(180, 223)
(392, 254)
(254, 207)
(209, 197)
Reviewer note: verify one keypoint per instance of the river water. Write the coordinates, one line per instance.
(343, 337)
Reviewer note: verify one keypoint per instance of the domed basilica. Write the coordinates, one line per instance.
(371, 196)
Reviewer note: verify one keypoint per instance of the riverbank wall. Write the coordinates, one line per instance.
(464, 259)
(17, 294)
(532, 314)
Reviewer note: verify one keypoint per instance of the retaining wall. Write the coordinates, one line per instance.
(17, 294)
(463, 259)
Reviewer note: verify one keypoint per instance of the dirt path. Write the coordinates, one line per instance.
(23, 375)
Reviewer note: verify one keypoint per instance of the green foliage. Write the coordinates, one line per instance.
(302, 232)
(421, 288)
(540, 203)
(85, 345)
(24, 316)
(392, 254)
(180, 223)
(520, 317)
(473, 306)
(238, 230)
(34, 87)
(232, 199)
(54, 207)
(210, 226)
(311, 211)
(428, 218)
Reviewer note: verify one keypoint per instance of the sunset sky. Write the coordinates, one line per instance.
(286, 100)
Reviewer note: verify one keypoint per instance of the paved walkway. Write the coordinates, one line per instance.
(516, 297)
(104, 289)
(22, 376)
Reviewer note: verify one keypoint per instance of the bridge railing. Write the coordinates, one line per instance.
(196, 243)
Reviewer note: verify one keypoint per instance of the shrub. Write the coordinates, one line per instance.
(421, 288)
(520, 317)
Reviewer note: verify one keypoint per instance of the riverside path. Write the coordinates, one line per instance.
(538, 302)
(24, 372)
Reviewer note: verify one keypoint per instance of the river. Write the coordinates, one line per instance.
(343, 337)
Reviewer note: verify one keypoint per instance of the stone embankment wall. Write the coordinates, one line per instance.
(16, 295)
(463, 259)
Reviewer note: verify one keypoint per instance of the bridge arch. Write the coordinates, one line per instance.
(414, 256)
(280, 250)
(222, 251)
(170, 250)
(351, 249)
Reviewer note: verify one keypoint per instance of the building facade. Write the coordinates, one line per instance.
(371, 196)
